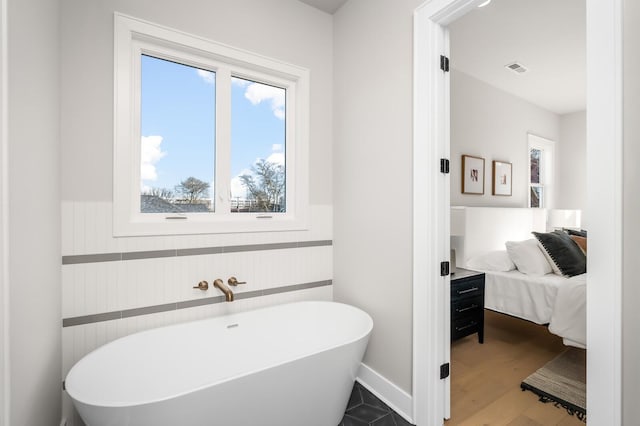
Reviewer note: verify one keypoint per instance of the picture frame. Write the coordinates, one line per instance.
(502, 178)
(472, 175)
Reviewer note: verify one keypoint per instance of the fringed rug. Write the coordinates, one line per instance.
(562, 381)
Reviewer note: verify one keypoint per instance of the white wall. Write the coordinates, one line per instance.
(490, 123)
(571, 151)
(34, 212)
(631, 213)
(373, 175)
(282, 29)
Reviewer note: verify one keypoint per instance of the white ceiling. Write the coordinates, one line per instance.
(329, 6)
(546, 36)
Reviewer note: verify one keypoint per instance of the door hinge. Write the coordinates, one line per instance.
(444, 371)
(444, 269)
(444, 63)
(444, 165)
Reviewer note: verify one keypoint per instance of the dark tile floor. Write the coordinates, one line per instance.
(365, 409)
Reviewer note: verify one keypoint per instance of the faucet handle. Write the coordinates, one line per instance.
(234, 281)
(202, 285)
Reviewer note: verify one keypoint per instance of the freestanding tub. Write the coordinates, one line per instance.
(287, 365)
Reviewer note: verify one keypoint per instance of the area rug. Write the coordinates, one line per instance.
(562, 381)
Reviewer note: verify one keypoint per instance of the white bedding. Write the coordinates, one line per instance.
(569, 317)
(523, 296)
(548, 299)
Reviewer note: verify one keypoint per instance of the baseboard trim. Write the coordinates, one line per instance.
(400, 401)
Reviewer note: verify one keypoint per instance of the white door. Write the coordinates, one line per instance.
(431, 308)
(445, 210)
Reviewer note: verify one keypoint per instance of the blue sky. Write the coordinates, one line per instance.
(178, 127)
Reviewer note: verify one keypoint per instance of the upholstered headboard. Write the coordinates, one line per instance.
(477, 230)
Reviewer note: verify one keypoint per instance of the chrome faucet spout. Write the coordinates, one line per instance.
(219, 284)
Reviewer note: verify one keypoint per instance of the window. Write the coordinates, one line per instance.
(208, 138)
(177, 137)
(540, 171)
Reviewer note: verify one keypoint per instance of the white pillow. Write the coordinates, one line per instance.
(528, 257)
(498, 261)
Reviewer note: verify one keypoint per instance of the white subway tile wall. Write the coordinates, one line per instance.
(99, 287)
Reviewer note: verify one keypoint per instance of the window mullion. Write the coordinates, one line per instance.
(223, 141)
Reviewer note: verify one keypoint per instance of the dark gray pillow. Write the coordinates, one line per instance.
(564, 252)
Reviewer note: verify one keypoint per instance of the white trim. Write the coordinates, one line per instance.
(604, 146)
(431, 209)
(5, 376)
(604, 207)
(387, 392)
(427, 389)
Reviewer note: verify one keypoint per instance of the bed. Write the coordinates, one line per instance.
(479, 234)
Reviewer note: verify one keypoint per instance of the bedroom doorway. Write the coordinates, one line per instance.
(431, 143)
(496, 114)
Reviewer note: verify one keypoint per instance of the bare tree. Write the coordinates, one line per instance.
(192, 189)
(266, 185)
(163, 193)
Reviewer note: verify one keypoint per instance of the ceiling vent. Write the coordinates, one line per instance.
(516, 67)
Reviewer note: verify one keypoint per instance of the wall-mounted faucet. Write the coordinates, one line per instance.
(202, 285)
(234, 281)
(218, 283)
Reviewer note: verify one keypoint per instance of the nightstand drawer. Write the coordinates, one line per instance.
(465, 326)
(470, 288)
(466, 306)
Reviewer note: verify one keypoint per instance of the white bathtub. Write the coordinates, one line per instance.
(287, 365)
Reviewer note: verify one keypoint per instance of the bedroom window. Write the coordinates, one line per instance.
(540, 171)
(536, 191)
(208, 138)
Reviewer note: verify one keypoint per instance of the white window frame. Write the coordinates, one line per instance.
(133, 38)
(547, 147)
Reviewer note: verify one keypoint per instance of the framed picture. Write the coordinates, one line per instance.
(472, 175)
(501, 178)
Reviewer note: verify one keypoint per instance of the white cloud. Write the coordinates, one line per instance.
(208, 76)
(277, 147)
(237, 188)
(279, 113)
(276, 158)
(150, 153)
(257, 92)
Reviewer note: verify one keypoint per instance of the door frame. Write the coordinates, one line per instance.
(431, 209)
(4, 225)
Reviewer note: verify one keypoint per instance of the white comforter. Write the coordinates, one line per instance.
(569, 315)
(550, 299)
(523, 296)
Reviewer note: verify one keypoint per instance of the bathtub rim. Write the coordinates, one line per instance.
(365, 335)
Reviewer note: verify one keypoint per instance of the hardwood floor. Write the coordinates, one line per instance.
(485, 379)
